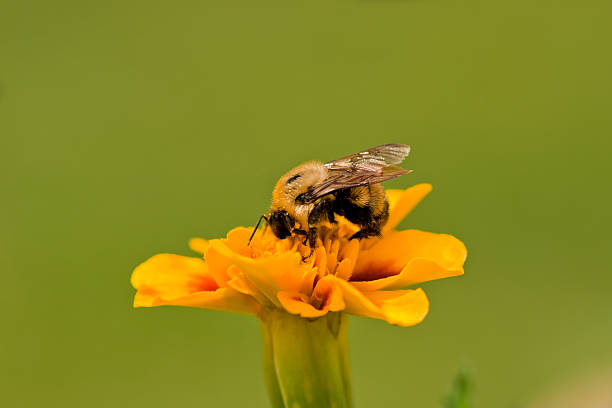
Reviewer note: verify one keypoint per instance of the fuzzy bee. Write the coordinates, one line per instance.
(314, 192)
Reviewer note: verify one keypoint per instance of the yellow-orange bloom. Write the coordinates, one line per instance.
(359, 277)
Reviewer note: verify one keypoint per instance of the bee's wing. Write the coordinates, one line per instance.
(372, 160)
(339, 179)
(368, 167)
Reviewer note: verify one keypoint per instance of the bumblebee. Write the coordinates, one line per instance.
(314, 192)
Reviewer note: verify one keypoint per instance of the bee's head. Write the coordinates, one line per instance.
(281, 223)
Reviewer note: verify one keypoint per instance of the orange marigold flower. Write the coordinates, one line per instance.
(359, 277)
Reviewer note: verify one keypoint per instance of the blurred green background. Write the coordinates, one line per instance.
(128, 127)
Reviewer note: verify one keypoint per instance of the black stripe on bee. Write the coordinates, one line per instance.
(293, 178)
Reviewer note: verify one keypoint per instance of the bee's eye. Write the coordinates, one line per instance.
(293, 178)
(281, 224)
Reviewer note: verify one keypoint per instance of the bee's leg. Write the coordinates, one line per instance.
(330, 215)
(312, 241)
(319, 212)
(331, 209)
(312, 238)
(367, 232)
(303, 233)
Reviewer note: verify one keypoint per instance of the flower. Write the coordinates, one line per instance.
(363, 278)
(301, 303)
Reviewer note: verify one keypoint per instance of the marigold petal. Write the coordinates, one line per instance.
(225, 299)
(297, 303)
(326, 297)
(218, 266)
(348, 256)
(238, 282)
(271, 274)
(401, 202)
(345, 269)
(400, 307)
(332, 255)
(356, 303)
(403, 258)
(173, 275)
(238, 239)
(167, 279)
(319, 259)
(198, 245)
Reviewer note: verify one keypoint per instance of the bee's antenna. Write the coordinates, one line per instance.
(257, 226)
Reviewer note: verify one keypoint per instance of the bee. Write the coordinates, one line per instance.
(313, 193)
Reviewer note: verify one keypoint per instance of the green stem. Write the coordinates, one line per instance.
(306, 362)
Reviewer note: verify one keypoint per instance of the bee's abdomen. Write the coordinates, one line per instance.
(371, 196)
(363, 205)
(359, 196)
